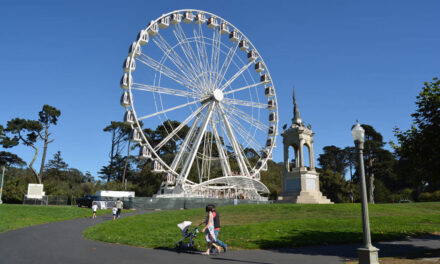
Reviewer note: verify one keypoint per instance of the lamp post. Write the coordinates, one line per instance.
(367, 253)
(1, 186)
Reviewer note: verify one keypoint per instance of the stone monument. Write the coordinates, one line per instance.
(300, 183)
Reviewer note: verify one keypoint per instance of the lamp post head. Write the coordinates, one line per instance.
(358, 133)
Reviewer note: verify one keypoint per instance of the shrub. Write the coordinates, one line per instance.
(425, 197)
(436, 196)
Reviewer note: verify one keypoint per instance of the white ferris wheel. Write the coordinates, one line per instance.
(196, 68)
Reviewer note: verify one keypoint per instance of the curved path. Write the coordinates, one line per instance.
(62, 242)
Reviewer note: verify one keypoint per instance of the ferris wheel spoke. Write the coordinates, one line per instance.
(206, 153)
(213, 59)
(199, 42)
(195, 146)
(226, 168)
(245, 159)
(168, 51)
(184, 146)
(247, 118)
(240, 159)
(157, 66)
(205, 55)
(238, 73)
(187, 49)
(226, 63)
(177, 129)
(163, 90)
(242, 88)
(230, 101)
(246, 136)
(217, 53)
(174, 57)
(169, 109)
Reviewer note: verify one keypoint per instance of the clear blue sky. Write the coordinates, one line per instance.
(347, 59)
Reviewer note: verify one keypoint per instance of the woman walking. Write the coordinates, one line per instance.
(209, 231)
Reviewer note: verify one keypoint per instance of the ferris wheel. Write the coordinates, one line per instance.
(204, 84)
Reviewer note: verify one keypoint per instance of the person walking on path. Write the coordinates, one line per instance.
(114, 211)
(119, 205)
(216, 216)
(94, 208)
(209, 231)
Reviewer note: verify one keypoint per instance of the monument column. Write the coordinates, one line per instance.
(312, 155)
(286, 158)
(301, 153)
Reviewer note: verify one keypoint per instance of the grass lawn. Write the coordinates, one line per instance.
(13, 216)
(276, 225)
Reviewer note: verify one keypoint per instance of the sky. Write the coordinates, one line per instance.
(348, 60)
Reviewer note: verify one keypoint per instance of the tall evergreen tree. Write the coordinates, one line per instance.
(120, 136)
(379, 162)
(48, 116)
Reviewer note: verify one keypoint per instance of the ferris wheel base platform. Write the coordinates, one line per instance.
(227, 187)
(176, 203)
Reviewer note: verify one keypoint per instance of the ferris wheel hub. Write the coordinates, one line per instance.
(218, 95)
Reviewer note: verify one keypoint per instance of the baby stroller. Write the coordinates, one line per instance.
(186, 243)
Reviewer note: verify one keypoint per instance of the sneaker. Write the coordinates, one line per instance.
(224, 248)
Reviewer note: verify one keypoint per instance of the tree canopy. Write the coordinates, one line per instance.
(418, 148)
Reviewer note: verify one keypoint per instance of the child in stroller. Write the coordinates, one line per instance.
(188, 236)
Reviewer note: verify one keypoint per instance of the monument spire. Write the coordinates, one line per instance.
(296, 116)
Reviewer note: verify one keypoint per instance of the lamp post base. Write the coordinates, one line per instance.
(369, 255)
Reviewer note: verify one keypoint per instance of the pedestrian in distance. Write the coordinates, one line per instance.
(119, 205)
(115, 211)
(94, 208)
(350, 195)
(216, 216)
(209, 232)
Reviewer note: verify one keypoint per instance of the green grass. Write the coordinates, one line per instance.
(18, 216)
(276, 225)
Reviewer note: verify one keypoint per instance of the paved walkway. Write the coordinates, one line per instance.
(63, 243)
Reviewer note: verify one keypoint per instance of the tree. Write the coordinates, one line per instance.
(27, 132)
(333, 185)
(56, 167)
(334, 162)
(379, 162)
(333, 159)
(351, 160)
(418, 148)
(48, 116)
(120, 133)
(7, 159)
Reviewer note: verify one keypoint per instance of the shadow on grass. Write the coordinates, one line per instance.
(345, 244)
